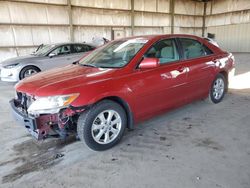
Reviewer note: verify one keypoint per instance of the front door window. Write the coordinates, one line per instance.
(164, 50)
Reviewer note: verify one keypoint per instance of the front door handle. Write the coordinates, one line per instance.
(215, 60)
(181, 69)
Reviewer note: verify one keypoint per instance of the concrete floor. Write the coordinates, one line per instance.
(198, 145)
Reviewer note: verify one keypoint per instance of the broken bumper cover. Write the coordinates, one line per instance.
(45, 125)
(30, 123)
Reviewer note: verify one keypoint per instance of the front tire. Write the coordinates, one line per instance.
(28, 71)
(102, 126)
(218, 89)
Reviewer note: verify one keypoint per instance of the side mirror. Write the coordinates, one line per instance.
(148, 63)
(52, 55)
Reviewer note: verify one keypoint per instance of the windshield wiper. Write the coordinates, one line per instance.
(107, 67)
(88, 65)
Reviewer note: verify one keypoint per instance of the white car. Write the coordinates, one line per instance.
(47, 57)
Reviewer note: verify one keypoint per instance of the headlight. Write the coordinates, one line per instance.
(51, 105)
(11, 66)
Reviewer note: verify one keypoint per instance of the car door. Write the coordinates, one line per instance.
(59, 57)
(199, 61)
(163, 87)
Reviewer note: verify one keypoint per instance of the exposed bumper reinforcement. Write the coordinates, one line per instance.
(28, 122)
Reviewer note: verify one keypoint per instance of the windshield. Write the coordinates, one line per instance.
(115, 54)
(44, 50)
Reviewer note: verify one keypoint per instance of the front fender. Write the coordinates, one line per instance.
(121, 97)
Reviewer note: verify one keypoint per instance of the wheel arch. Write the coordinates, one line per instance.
(225, 74)
(29, 65)
(125, 106)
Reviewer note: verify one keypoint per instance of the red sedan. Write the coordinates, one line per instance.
(120, 84)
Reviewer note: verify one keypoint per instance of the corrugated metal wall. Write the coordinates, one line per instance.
(188, 17)
(24, 24)
(229, 20)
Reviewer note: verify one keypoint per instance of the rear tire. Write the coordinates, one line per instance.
(218, 89)
(102, 126)
(28, 71)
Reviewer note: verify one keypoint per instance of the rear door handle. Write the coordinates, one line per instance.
(216, 62)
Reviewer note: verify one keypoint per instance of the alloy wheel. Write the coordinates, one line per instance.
(106, 126)
(218, 88)
(29, 72)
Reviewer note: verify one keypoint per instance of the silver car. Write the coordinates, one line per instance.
(46, 57)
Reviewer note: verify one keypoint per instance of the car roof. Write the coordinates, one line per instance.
(150, 37)
(70, 43)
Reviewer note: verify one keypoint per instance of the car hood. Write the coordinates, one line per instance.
(57, 81)
(20, 59)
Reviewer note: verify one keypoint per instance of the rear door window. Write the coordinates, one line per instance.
(79, 48)
(193, 48)
(62, 50)
(164, 50)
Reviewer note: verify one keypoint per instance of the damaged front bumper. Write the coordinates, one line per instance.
(30, 123)
(45, 125)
